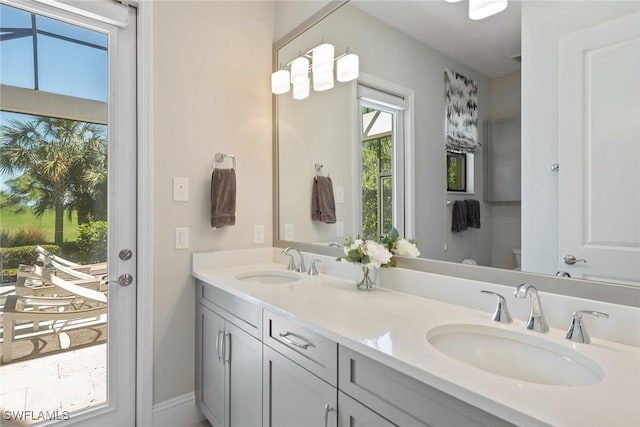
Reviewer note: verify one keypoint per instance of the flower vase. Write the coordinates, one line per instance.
(366, 277)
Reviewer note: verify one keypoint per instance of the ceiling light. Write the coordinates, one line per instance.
(299, 70)
(301, 90)
(348, 68)
(280, 82)
(480, 9)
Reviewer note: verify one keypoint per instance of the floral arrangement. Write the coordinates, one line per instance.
(371, 253)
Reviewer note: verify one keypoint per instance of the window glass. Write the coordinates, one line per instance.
(71, 60)
(456, 171)
(16, 48)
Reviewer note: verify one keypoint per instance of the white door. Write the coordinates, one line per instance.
(599, 154)
(96, 26)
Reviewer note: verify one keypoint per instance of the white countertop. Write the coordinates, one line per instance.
(391, 327)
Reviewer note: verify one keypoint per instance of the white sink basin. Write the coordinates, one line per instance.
(515, 355)
(270, 277)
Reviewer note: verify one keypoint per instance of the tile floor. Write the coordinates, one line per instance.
(64, 382)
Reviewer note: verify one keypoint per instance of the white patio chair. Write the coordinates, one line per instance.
(97, 269)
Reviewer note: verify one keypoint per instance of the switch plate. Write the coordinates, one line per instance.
(339, 229)
(288, 232)
(180, 189)
(182, 237)
(339, 194)
(258, 234)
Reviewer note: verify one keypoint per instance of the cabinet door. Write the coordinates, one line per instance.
(244, 355)
(212, 392)
(351, 413)
(293, 396)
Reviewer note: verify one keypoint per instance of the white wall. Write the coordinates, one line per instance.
(212, 66)
(543, 23)
(505, 217)
(391, 55)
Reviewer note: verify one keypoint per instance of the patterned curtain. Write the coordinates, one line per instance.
(461, 127)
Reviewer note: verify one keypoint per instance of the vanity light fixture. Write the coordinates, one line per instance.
(480, 9)
(452, 1)
(280, 82)
(320, 60)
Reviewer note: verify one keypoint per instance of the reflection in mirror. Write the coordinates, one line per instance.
(407, 45)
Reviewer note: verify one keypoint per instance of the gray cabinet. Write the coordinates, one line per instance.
(228, 372)
(293, 396)
(352, 413)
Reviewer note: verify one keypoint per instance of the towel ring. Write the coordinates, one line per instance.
(220, 158)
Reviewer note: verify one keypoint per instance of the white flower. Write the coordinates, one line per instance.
(406, 248)
(378, 254)
(355, 245)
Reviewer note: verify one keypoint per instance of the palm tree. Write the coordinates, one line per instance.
(62, 160)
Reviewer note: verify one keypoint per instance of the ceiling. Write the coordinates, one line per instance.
(486, 45)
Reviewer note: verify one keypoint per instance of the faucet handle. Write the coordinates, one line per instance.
(292, 262)
(577, 332)
(313, 268)
(501, 314)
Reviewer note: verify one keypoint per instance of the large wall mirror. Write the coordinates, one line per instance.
(556, 177)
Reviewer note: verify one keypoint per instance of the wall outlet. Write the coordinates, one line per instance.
(288, 232)
(182, 237)
(180, 189)
(339, 194)
(339, 229)
(258, 234)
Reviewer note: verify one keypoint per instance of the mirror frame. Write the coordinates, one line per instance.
(627, 295)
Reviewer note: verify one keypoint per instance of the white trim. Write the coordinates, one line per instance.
(178, 411)
(104, 11)
(144, 340)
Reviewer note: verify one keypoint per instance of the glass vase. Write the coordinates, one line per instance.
(366, 277)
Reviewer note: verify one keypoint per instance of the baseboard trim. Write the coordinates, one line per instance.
(179, 411)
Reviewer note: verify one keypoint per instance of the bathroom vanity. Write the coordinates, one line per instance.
(281, 348)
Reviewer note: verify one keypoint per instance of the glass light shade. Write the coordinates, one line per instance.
(480, 9)
(299, 70)
(323, 56)
(322, 78)
(301, 90)
(280, 82)
(348, 68)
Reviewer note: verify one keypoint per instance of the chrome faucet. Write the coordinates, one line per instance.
(502, 312)
(577, 332)
(536, 319)
(301, 268)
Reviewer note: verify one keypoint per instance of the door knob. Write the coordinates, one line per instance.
(570, 260)
(123, 280)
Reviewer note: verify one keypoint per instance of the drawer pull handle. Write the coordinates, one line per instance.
(219, 344)
(285, 338)
(327, 409)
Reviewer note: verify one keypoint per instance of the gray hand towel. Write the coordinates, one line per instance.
(223, 197)
(323, 205)
(458, 216)
(473, 213)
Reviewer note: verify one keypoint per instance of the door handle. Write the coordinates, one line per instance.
(570, 260)
(123, 280)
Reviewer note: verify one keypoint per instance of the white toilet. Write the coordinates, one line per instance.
(518, 256)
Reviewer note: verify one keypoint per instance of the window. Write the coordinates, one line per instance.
(459, 172)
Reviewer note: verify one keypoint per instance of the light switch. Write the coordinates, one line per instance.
(258, 234)
(180, 189)
(288, 232)
(339, 194)
(339, 229)
(182, 238)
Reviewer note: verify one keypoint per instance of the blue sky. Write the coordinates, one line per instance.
(64, 67)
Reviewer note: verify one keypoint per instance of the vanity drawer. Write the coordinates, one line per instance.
(308, 349)
(241, 313)
(404, 400)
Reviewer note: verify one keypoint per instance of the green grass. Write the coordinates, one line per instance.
(11, 222)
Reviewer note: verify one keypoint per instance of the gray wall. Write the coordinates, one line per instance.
(212, 66)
